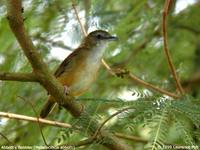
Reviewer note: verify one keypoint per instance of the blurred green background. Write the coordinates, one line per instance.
(55, 32)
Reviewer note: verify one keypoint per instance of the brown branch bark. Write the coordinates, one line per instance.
(166, 49)
(64, 125)
(47, 80)
(40, 69)
(23, 77)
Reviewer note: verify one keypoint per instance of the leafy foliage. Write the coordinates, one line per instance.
(158, 119)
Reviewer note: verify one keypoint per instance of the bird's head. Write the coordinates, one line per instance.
(99, 38)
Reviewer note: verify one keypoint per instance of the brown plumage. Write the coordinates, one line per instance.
(79, 69)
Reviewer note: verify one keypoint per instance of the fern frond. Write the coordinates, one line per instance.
(190, 110)
(186, 135)
(159, 127)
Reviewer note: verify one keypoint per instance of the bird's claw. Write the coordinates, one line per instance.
(66, 89)
(121, 72)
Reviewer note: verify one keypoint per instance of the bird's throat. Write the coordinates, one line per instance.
(96, 54)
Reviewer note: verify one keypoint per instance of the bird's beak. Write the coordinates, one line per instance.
(113, 38)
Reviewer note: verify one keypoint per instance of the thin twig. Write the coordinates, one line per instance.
(105, 64)
(113, 73)
(79, 143)
(34, 119)
(130, 137)
(94, 137)
(136, 79)
(110, 117)
(78, 18)
(87, 7)
(117, 134)
(139, 139)
(59, 44)
(195, 31)
(152, 87)
(166, 49)
(37, 116)
(6, 139)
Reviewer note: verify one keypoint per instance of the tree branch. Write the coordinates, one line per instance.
(78, 18)
(7, 139)
(47, 80)
(95, 138)
(139, 139)
(87, 7)
(40, 69)
(131, 137)
(79, 143)
(166, 49)
(119, 135)
(152, 87)
(188, 28)
(136, 79)
(64, 125)
(59, 44)
(96, 133)
(39, 125)
(192, 82)
(23, 77)
(34, 119)
(109, 118)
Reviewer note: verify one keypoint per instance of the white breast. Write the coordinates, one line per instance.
(87, 76)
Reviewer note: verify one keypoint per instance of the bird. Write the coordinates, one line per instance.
(79, 70)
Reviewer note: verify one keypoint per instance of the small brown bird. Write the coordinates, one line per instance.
(77, 72)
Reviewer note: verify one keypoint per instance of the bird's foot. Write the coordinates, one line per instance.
(66, 89)
(121, 72)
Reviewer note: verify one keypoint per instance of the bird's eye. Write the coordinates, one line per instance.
(99, 36)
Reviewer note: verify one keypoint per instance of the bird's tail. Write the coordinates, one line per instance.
(48, 107)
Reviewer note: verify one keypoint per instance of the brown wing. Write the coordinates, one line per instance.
(66, 63)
